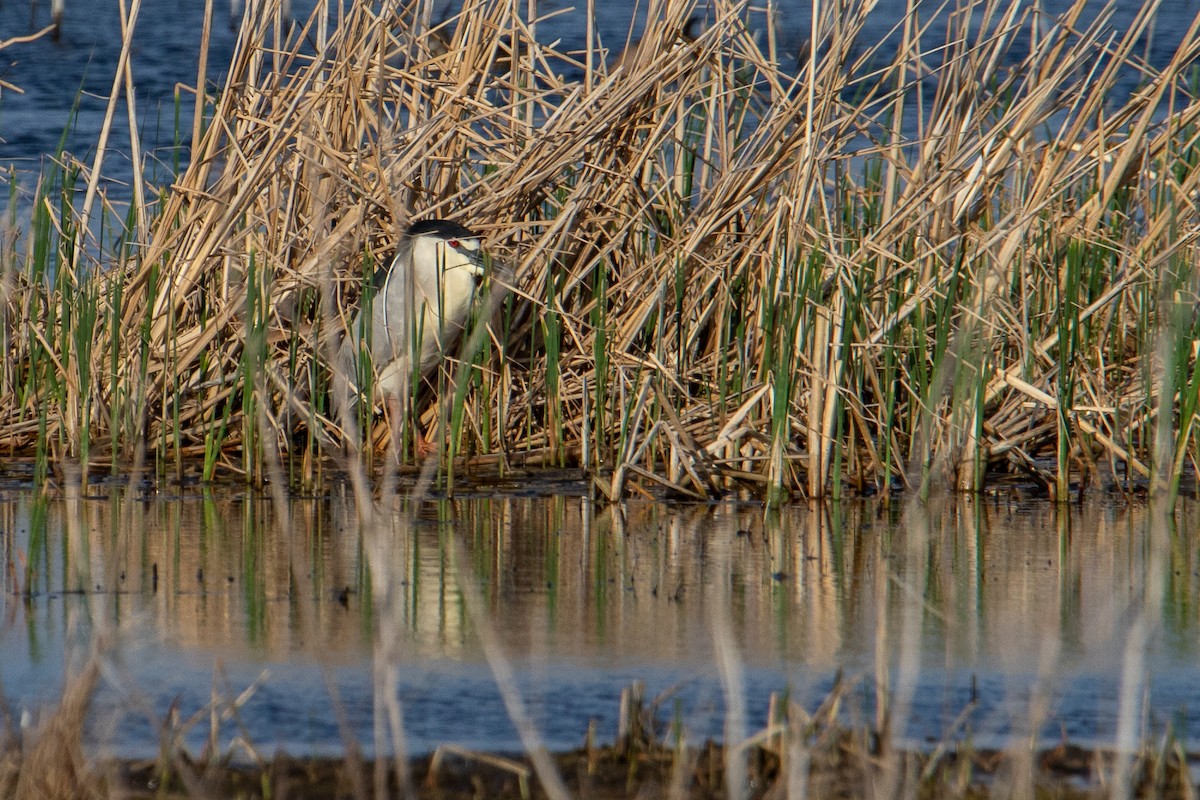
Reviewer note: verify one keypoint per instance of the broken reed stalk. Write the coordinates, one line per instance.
(857, 275)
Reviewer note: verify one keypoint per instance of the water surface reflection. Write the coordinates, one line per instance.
(1009, 603)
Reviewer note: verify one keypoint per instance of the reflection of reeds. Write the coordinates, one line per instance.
(644, 567)
(724, 275)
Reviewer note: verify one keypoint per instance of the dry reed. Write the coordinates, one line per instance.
(52, 764)
(937, 263)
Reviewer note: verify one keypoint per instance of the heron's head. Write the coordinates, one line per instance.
(446, 253)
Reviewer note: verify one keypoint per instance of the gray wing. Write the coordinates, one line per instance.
(393, 311)
(382, 327)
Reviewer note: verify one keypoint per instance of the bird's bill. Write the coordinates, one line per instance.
(476, 259)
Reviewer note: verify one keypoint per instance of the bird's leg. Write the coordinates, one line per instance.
(425, 447)
(395, 416)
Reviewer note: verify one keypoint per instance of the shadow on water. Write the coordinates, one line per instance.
(1010, 607)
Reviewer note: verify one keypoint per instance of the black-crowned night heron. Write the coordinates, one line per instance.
(419, 309)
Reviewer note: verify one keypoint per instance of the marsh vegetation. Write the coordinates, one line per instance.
(880, 265)
(867, 267)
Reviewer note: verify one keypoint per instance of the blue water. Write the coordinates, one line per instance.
(444, 701)
(1000, 609)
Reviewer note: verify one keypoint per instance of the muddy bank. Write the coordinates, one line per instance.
(844, 765)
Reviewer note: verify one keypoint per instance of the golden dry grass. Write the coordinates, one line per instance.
(893, 268)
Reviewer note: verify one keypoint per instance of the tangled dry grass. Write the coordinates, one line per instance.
(903, 262)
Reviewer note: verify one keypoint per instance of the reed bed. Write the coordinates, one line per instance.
(900, 263)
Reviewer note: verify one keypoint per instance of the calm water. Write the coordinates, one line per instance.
(190, 593)
(80, 66)
(187, 592)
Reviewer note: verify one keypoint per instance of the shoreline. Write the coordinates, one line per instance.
(840, 763)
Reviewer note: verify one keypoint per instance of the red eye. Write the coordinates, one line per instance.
(453, 243)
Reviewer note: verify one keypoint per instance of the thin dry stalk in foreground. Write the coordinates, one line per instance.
(51, 764)
(955, 259)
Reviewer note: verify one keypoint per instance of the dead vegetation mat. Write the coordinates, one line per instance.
(844, 766)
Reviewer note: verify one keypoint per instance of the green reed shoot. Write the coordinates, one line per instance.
(251, 377)
(1068, 289)
(600, 398)
(551, 336)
